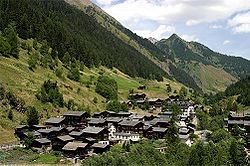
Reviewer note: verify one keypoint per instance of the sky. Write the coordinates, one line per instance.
(222, 25)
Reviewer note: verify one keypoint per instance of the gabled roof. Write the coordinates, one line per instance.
(70, 129)
(75, 113)
(72, 146)
(129, 123)
(54, 120)
(183, 130)
(124, 113)
(39, 126)
(57, 129)
(93, 130)
(34, 133)
(96, 121)
(76, 133)
(160, 129)
(66, 138)
(21, 127)
(47, 131)
(113, 119)
(43, 140)
(98, 145)
(126, 134)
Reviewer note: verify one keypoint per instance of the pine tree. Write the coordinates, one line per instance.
(11, 36)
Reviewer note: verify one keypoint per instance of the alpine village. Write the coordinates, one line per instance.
(78, 88)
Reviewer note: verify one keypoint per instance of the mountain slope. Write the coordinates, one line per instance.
(77, 33)
(211, 71)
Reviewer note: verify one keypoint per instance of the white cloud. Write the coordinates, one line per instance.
(215, 26)
(240, 23)
(158, 33)
(105, 2)
(192, 22)
(191, 12)
(189, 38)
(226, 42)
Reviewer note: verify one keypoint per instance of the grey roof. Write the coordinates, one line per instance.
(167, 113)
(124, 113)
(35, 133)
(93, 130)
(96, 121)
(90, 139)
(160, 129)
(183, 130)
(154, 100)
(57, 128)
(43, 140)
(45, 131)
(54, 120)
(129, 123)
(21, 126)
(76, 133)
(70, 128)
(113, 119)
(98, 145)
(74, 113)
(72, 146)
(240, 122)
(39, 126)
(66, 138)
(246, 123)
(126, 134)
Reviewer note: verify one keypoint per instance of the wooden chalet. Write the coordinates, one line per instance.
(55, 122)
(76, 118)
(41, 143)
(36, 134)
(113, 120)
(61, 141)
(97, 122)
(20, 130)
(38, 127)
(104, 114)
(160, 122)
(47, 133)
(159, 132)
(78, 135)
(156, 102)
(75, 149)
(122, 114)
(130, 126)
(100, 148)
(141, 87)
(137, 96)
(97, 133)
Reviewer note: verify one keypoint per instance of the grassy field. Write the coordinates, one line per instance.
(23, 157)
(24, 83)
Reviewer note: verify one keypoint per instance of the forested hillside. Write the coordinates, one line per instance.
(77, 33)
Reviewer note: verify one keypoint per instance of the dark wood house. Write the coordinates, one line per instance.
(55, 122)
(141, 87)
(137, 96)
(159, 132)
(75, 149)
(41, 143)
(156, 102)
(20, 130)
(76, 118)
(97, 133)
(100, 148)
(97, 122)
(130, 126)
(61, 141)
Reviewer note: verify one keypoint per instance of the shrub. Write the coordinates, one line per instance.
(107, 87)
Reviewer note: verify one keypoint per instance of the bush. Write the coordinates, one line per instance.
(107, 87)
(116, 106)
(50, 93)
